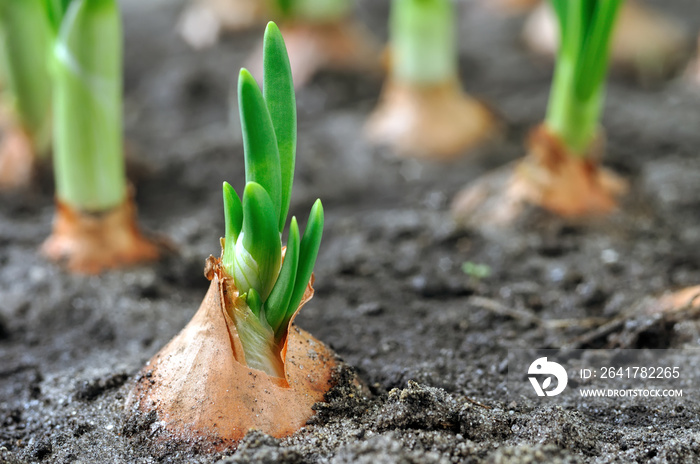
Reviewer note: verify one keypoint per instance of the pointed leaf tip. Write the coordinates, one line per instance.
(308, 251)
(278, 91)
(262, 159)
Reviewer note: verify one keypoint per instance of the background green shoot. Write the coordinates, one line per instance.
(578, 87)
(423, 41)
(311, 10)
(87, 75)
(25, 42)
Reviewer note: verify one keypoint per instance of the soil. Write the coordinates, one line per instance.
(429, 341)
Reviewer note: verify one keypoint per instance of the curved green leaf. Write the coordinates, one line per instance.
(276, 305)
(278, 90)
(258, 248)
(308, 252)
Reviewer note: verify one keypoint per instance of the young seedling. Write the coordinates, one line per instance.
(476, 270)
(203, 21)
(240, 363)
(422, 110)
(95, 223)
(321, 35)
(561, 171)
(645, 42)
(25, 122)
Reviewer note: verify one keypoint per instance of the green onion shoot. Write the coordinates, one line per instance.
(578, 89)
(95, 224)
(422, 110)
(561, 171)
(311, 10)
(271, 287)
(87, 75)
(423, 41)
(25, 42)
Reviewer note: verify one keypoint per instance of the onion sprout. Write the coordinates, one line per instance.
(423, 41)
(25, 41)
(578, 89)
(272, 287)
(87, 74)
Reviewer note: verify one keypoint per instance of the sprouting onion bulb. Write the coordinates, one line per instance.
(578, 89)
(87, 71)
(272, 287)
(25, 41)
(423, 41)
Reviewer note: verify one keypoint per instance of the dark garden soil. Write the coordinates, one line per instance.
(391, 299)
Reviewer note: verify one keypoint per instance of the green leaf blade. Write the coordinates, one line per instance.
(87, 76)
(25, 44)
(258, 248)
(278, 91)
(308, 251)
(55, 11)
(233, 219)
(262, 159)
(276, 305)
(254, 301)
(593, 65)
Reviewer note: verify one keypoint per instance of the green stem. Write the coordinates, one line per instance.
(25, 40)
(313, 11)
(578, 87)
(423, 41)
(87, 69)
(573, 119)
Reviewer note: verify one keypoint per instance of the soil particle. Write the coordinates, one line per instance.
(528, 454)
(419, 407)
(388, 448)
(88, 390)
(556, 426)
(260, 448)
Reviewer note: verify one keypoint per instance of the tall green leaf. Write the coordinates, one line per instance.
(25, 43)
(593, 64)
(277, 303)
(55, 11)
(278, 90)
(87, 75)
(560, 9)
(262, 158)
